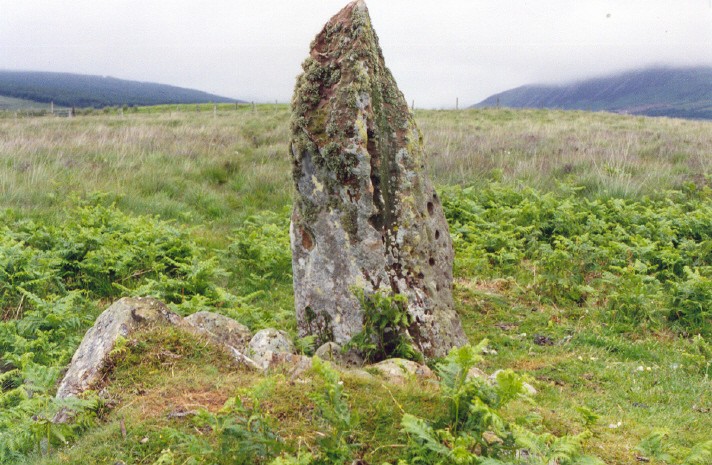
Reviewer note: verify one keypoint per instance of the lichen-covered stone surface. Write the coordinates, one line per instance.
(399, 371)
(365, 214)
(222, 329)
(267, 342)
(128, 315)
(122, 318)
(334, 353)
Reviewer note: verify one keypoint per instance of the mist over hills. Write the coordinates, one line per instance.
(656, 91)
(79, 90)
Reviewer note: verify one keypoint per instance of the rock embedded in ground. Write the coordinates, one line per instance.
(121, 319)
(266, 343)
(130, 314)
(366, 216)
(221, 329)
(398, 370)
(333, 352)
(294, 365)
(475, 372)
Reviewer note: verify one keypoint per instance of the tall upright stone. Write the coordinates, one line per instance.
(365, 215)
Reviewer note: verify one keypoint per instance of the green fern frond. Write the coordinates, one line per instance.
(424, 434)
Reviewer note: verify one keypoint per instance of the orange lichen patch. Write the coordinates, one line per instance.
(307, 240)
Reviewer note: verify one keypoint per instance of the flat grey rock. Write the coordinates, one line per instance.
(334, 353)
(121, 319)
(221, 329)
(398, 370)
(264, 344)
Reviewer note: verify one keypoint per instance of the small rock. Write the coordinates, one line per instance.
(531, 390)
(144, 440)
(221, 329)
(267, 342)
(542, 340)
(475, 372)
(182, 414)
(493, 376)
(491, 438)
(506, 326)
(398, 370)
(334, 353)
(360, 374)
(295, 364)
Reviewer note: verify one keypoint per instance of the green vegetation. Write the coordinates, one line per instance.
(582, 255)
(14, 104)
(385, 326)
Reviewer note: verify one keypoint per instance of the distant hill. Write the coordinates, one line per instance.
(659, 91)
(78, 90)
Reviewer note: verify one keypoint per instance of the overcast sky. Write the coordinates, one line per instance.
(437, 50)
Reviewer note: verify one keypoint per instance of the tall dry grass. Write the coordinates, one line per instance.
(197, 167)
(601, 152)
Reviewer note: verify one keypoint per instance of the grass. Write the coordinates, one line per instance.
(216, 174)
(209, 169)
(11, 104)
(605, 153)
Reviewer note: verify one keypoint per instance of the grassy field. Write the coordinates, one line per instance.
(582, 254)
(11, 105)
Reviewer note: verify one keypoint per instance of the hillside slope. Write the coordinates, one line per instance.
(78, 90)
(673, 92)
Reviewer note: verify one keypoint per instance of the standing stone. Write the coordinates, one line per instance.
(365, 214)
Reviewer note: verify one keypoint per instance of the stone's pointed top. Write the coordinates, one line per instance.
(346, 13)
(356, 4)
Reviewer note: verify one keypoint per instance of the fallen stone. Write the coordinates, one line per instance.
(130, 314)
(531, 390)
(543, 340)
(264, 344)
(398, 370)
(221, 329)
(475, 372)
(121, 319)
(293, 364)
(365, 215)
(491, 438)
(334, 353)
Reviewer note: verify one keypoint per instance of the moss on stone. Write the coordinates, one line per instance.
(349, 221)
